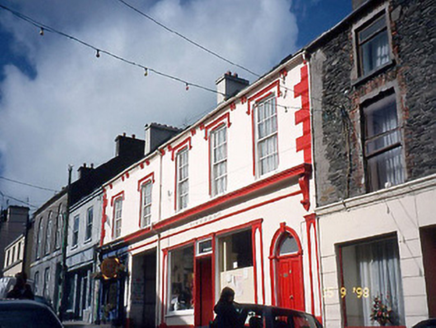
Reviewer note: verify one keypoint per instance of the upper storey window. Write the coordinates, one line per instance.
(373, 45)
(118, 207)
(382, 138)
(146, 204)
(182, 179)
(219, 160)
(266, 136)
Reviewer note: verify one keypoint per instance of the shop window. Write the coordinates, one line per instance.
(382, 139)
(181, 279)
(182, 179)
(236, 264)
(266, 136)
(370, 273)
(373, 45)
(219, 160)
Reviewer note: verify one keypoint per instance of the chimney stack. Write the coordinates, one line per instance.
(157, 134)
(129, 146)
(229, 85)
(84, 170)
(357, 3)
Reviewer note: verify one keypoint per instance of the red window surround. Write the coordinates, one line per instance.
(148, 178)
(113, 199)
(213, 125)
(179, 146)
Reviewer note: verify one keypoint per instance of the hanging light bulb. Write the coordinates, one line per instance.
(187, 86)
(41, 31)
(97, 54)
(145, 71)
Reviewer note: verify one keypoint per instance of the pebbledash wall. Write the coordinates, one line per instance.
(192, 232)
(395, 211)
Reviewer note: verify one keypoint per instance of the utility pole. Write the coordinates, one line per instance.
(64, 248)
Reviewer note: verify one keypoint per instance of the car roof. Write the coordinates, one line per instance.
(11, 304)
(259, 307)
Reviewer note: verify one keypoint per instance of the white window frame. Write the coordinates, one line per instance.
(264, 139)
(89, 223)
(146, 203)
(215, 179)
(182, 199)
(75, 235)
(118, 213)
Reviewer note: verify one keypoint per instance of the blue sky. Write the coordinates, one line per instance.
(61, 105)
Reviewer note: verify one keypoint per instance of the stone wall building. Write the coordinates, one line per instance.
(373, 80)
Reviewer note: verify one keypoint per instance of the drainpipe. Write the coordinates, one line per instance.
(64, 249)
(158, 250)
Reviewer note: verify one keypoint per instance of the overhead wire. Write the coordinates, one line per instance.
(186, 38)
(18, 200)
(45, 28)
(28, 184)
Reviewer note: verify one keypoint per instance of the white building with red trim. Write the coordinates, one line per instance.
(226, 202)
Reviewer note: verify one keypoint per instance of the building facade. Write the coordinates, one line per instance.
(373, 80)
(227, 202)
(14, 256)
(13, 222)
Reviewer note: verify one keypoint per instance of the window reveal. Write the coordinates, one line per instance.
(181, 279)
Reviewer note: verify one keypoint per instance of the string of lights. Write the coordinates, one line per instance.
(27, 184)
(43, 28)
(186, 38)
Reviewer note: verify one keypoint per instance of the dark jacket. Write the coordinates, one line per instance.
(227, 316)
(21, 293)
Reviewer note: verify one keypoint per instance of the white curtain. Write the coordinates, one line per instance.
(379, 270)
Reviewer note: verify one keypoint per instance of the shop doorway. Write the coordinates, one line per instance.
(203, 291)
(428, 245)
(289, 273)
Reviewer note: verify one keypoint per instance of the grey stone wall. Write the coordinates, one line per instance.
(338, 94)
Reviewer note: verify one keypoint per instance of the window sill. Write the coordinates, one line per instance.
(378, 70)
(179, 313)
(87, 241)
(74, 247)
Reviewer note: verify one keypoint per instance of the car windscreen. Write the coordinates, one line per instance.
(281, 318)
(27, 318)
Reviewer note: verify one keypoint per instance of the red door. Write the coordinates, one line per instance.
(290, 283)
(204, 296)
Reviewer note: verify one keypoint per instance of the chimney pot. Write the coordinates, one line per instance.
(84, 164)
(133, 136)
(124, 134)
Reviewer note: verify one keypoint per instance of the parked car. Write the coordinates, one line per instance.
(29, 314)
(429, 323)
(263, 316)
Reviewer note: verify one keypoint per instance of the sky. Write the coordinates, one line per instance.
(60, 105)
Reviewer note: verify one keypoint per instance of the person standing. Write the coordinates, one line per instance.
(21, 288)
(226, 314)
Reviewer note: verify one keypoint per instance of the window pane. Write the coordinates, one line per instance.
(182, 276)
(374, 27)
(235, 261)
(371, 270)
(386, 168)
(183, 176)
(267, 136)
(288, 246)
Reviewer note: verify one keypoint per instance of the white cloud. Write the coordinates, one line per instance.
(77, 104)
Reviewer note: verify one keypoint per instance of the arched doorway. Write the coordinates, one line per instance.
(287, 269)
